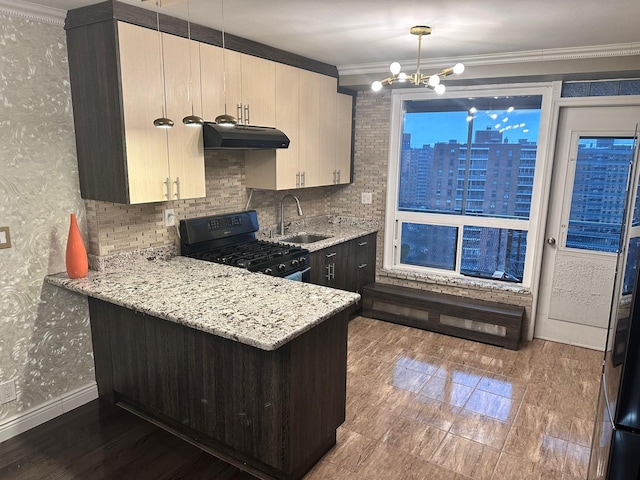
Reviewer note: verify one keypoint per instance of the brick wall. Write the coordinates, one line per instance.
(114, 228)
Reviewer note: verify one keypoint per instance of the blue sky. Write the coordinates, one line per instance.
(434, 127)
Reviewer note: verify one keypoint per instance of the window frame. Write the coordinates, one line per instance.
(533, 225)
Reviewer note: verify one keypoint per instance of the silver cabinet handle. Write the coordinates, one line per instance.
(328, 275)
(302, 179)
(551, 241)
(167, 184)
(246, 114)
(298, 180)
(362, 244)
(335, 176)
(239, 107)
(333, 254)
(177, 182)
(362, 266)
(338, 174)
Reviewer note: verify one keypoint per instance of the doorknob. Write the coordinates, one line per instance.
(551, 241)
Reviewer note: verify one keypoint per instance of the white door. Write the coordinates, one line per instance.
(594, 150)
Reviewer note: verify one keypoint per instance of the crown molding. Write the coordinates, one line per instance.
(575, 53)
(32, 11)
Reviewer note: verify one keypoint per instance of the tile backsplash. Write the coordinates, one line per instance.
(114, 228)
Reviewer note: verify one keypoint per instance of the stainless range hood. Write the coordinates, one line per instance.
(242, 137)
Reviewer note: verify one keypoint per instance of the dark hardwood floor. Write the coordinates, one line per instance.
(100, 441)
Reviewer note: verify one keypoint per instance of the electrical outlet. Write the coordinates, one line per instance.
(169, 218)
(7, 391)
(5, 238)
(367, 197)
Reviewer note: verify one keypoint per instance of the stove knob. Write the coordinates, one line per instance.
(282, 267)
(268, 271)
(294, 262)
(302, 260)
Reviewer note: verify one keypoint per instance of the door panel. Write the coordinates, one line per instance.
(593, 154)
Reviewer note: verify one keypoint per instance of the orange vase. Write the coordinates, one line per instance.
(77, 263)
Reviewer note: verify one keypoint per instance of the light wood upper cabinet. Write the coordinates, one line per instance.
(258, 88)
(344, 116)
(318, 124)
(146, 146)
(186, 153)
(162, 164)
(212, 82)
(245, 83)
(117, 90)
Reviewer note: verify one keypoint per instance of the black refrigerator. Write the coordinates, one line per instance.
(615, 451)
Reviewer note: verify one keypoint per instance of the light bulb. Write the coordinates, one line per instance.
(473, 110)
(402, 77)
(469, 118)
(395, 68)
(510, 109)
(440, 88)
(434, 80)
(458, 68)
(376, 86)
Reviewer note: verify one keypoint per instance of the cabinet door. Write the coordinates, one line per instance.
(363, 254)
(343, 138)
(327, 131)
(221, 81)
(309, 127)
(186, 153)
(142, 102)
(258, 91)
(329, 267)
(212, 82)
(288, 120)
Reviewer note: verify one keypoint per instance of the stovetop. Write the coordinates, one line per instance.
(230, 239)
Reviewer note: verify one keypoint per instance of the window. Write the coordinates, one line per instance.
(597, 203)
(468, 235)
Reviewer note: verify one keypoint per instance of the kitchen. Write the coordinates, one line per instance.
(37, 342)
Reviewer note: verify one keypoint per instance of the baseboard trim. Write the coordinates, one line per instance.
(35, 416)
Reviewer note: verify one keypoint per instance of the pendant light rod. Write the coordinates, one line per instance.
(164, 121)
(429, 81)
(225, 119)
(191, 120)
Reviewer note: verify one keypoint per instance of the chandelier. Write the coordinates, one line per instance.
(418, 78)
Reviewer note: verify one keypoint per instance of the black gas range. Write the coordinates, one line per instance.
(231, 239)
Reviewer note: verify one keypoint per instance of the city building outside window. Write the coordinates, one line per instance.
(481, 226)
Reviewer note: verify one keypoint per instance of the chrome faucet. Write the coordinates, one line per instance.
(282, 210)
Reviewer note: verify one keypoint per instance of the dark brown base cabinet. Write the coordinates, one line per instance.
(347, 266)
(272, 413)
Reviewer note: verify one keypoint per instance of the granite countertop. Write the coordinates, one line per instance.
(252, 308)
(338, 229)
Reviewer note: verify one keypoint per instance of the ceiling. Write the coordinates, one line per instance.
(363, 36)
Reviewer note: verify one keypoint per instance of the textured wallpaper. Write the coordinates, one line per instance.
(45, 341)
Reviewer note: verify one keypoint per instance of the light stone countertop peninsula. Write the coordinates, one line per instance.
(252, 308)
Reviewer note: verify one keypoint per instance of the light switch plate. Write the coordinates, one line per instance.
(5, 238)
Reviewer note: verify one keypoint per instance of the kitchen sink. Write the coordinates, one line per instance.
(305, 238)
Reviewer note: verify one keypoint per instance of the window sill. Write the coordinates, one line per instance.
(476, 283)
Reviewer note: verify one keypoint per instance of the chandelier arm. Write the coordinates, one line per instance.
(419, 53)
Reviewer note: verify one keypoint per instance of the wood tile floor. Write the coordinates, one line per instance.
(427, 406)
(420, 406)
